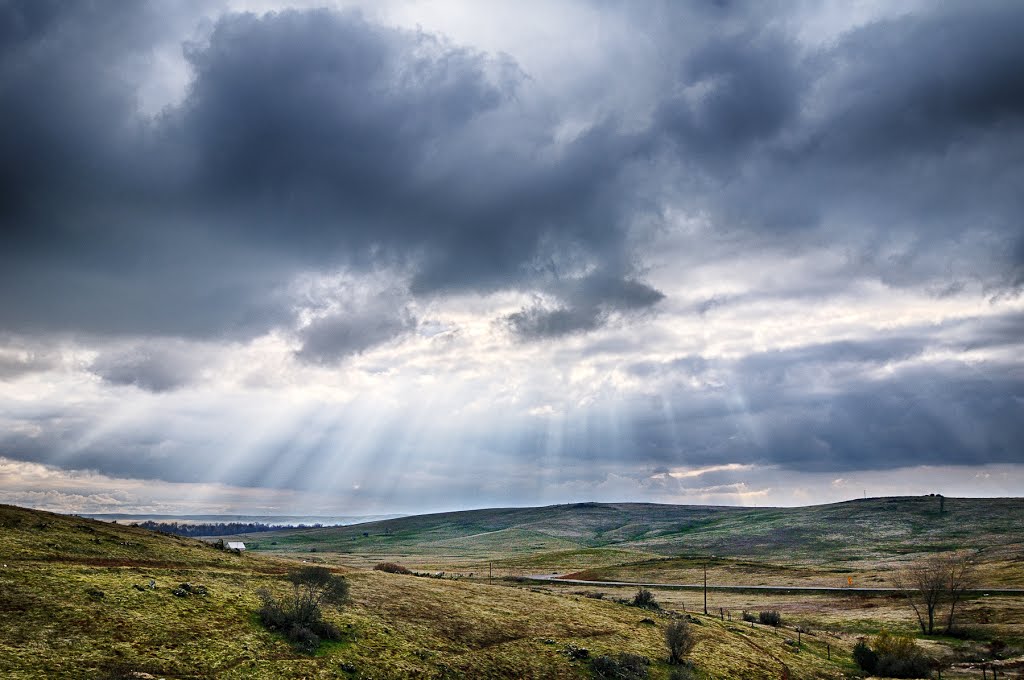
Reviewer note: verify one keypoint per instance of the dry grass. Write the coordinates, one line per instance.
(53, 623)
(399, 626)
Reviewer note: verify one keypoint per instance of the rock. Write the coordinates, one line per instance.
(574, 652)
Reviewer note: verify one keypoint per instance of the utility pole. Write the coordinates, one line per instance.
(705, 586)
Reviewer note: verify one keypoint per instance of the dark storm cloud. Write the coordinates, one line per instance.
(750, 87)
(307, 140)
(897, 142)
(537, 322)
(318, 140)
(804, 417)
(336, 336)
(92, 240)
(591, 301)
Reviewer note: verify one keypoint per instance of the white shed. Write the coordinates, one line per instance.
(235, 545)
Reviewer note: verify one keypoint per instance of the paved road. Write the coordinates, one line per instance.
(556, 578)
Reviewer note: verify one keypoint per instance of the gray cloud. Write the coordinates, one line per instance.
(590, 301)
(336, 336)
(894, 142)
(155, 366)
(538, 322)
(353, 143)
(310, 139)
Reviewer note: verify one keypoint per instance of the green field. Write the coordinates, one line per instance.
(76, 599)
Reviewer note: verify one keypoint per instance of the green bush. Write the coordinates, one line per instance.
(645, 598)
(770, 618)
(892, 656)
(299, 617)
(900, 657)
(865, 657)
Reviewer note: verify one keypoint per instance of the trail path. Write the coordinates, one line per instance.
(557, 578)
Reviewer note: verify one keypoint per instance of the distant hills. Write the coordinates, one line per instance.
(290, 520)
(879, 527)
(859, 542)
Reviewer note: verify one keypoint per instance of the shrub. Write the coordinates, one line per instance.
(865, 657)
(392, 568)
(679, 639)
(900, 657)
(749, 617)
(645, 598)
(770, 618)
(892, 656)
(299, 617)
(620, 667)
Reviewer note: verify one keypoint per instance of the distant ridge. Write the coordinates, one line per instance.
(327, 520)
(887, 526)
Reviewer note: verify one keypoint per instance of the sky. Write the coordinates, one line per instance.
(407, 256)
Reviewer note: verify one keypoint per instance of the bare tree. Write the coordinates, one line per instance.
(959, 568)
(932, 581)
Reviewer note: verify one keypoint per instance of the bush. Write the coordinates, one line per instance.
(865, 657)
(645, 598)
(749, 617)
(392, 568)
(620, 667)
(299, 617)
(770, 618)
(680, 640)
(900, 657)
(892, 656)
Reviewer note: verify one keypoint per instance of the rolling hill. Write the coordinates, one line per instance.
(84, 599)
(631, 540)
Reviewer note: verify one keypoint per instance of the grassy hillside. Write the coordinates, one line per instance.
(816, 545)
(76, 601)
